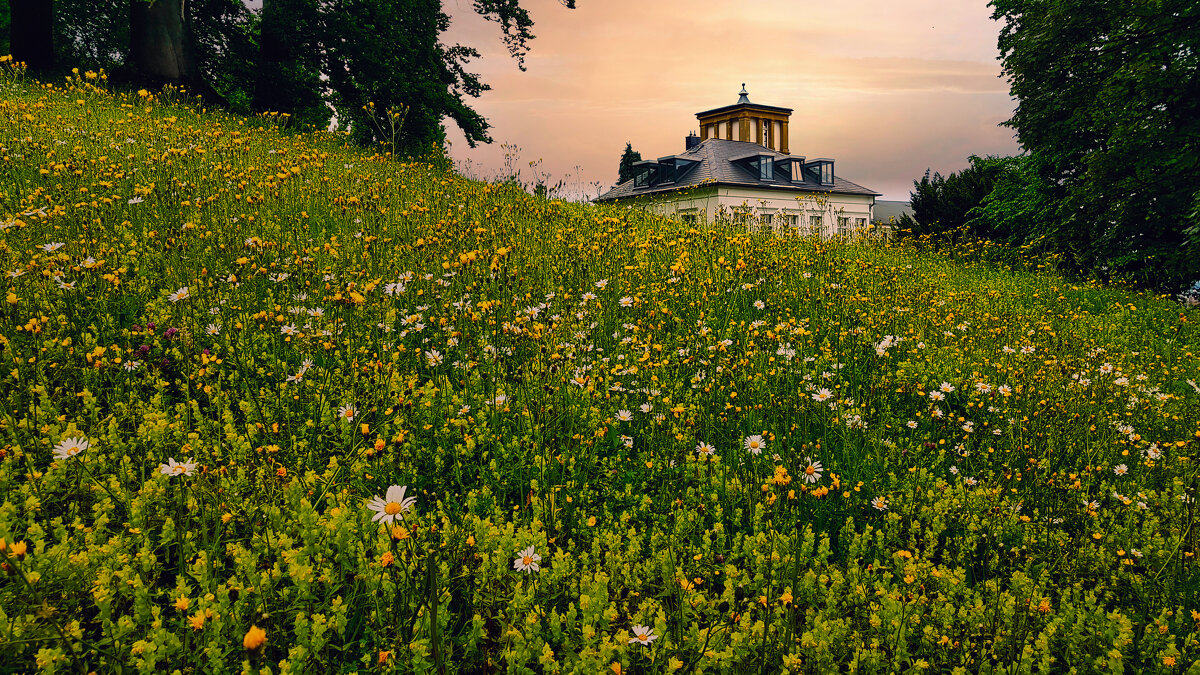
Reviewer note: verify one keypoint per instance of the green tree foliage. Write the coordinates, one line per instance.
(292, 36)
(226, 50)
(390, 78)
(944, 203)
(625, 172)
(1018, 206)
(375, 74)
(1109, 111)
(96, 34)
(5, 20)
(91, 33)
(379, 65)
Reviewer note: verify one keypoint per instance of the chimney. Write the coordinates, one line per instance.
(691, 141)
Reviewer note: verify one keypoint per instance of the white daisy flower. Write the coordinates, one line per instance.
(642, 635)
(812, 470)
(173, 468)
(527, 561)
(391, 506)
(69, 447)
(755, 444)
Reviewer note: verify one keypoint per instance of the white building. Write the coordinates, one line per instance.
(739, 168)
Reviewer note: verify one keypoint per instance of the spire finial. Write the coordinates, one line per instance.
(744, 96)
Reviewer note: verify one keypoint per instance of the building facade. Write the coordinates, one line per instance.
(739, 168)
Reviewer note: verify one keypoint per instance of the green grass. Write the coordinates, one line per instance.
(1006, 484)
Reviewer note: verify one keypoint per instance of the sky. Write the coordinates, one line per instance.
(888, 88)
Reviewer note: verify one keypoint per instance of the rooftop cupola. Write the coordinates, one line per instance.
(766, 125)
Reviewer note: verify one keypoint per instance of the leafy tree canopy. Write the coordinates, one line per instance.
(944, 203)
(628, 158)
(1108, 109)
(378, 65)
(4, 22)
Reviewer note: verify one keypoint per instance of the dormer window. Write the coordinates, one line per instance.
(790, 169)
(761, 165)
(645, 173)
(819, 171)
(673, 168)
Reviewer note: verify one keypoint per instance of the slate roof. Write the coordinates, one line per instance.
(717, 168)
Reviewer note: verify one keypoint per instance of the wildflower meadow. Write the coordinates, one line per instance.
(272, 403)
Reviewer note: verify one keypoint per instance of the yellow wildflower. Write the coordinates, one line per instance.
(255, 637)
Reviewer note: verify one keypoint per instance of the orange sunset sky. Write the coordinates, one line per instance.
(885, 87)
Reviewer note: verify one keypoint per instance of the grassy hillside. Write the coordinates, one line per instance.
(630, 445)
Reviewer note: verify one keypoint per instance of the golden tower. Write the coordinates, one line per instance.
(766, 125)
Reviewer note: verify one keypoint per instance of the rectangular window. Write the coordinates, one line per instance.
(765, 168)
(843, 225)
(860, 223)
(793, 221)
(689, 218)
(814, 222)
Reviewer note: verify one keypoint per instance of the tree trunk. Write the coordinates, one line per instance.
(159, 40)
(32, 32)
(272, 53)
